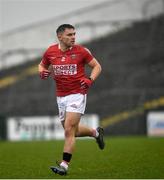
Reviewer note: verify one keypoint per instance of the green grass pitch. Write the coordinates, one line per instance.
(123, 157)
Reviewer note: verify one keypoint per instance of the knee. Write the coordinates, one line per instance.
(69, 132)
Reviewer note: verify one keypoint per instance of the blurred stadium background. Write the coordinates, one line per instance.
(130, 48)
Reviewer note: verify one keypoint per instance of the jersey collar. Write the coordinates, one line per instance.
(59, 47)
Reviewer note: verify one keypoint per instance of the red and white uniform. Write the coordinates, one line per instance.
(68, 68)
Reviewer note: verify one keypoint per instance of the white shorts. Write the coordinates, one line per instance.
(71, 103)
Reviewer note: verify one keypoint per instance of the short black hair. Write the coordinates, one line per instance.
(62, 28)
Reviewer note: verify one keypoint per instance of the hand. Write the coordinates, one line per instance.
(44, 74)
(86, 83)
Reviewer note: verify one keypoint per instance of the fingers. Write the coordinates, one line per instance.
(44, 74)
(84, 87)
(83, 84)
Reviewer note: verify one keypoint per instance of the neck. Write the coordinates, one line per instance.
(64, 47)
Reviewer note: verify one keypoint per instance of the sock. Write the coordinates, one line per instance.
(64, 164)
(95, 133)
(66, 159)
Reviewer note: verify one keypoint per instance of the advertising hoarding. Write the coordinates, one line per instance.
(155, 124)
(41, 127)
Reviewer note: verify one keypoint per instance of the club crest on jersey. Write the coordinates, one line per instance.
(73, 56)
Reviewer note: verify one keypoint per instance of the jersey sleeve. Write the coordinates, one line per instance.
(45, 59)
(87, 55)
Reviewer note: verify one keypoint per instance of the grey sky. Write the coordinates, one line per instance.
(16, 13)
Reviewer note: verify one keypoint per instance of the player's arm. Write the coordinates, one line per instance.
(96, 69)
(43, 71)
(95, 72)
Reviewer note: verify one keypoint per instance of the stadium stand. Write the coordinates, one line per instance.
(132, 60)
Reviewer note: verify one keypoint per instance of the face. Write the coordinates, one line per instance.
(67, 38)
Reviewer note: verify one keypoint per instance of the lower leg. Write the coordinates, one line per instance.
(70, 127)
(83, 130)
(69, 144)
(68, 148)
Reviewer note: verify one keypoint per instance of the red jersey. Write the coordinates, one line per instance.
(68, 68)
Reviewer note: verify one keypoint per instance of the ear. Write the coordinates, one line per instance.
(59, 36)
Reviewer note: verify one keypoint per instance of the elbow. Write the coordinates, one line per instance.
(39, 67)
(100, 68)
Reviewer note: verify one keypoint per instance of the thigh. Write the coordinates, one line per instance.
(72, 119)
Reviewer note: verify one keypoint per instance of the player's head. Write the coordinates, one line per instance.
(62, 28)
(66, 34)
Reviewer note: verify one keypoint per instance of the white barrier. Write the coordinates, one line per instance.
(41, 128)
(155, 124)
